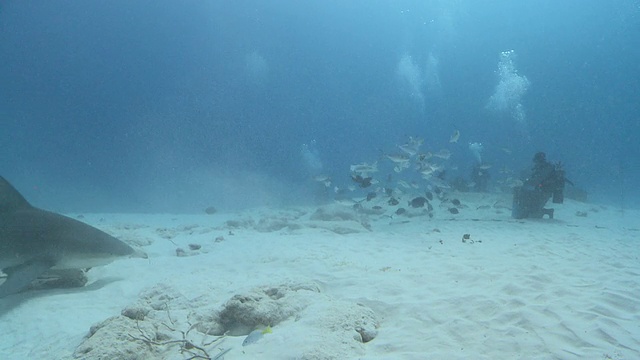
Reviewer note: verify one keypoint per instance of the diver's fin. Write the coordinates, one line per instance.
(20, 276)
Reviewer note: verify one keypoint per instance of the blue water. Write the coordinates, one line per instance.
(177, 105)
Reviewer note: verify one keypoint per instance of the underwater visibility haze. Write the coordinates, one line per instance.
(173, 106)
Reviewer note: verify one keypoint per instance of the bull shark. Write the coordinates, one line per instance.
(34, 241)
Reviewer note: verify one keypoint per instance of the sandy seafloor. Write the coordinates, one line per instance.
(567, 288)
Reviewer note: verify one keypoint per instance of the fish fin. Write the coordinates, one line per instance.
(20, 276)
(10, 198)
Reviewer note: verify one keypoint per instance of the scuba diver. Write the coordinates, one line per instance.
(480, 178)
(546, 180)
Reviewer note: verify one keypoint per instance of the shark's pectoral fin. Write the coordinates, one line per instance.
(20, 276)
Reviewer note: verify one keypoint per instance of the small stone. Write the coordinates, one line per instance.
(194, 247)
(180, 252)
(210, 210)
(366, 335)
(467, 238)
(135, 313)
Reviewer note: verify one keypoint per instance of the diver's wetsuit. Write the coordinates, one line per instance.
(530, 198)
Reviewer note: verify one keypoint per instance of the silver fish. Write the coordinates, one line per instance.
(398, 158)
(436, 181)
(455, 136)
(404, 184)
(412, 146)
(443, 154)
(401, 166)
(364, 168)
(322, 178)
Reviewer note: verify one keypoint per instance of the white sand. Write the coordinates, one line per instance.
(537, 289)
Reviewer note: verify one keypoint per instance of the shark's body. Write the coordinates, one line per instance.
(33, 241)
